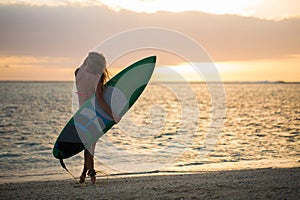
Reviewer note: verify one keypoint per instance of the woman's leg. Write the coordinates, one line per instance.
(83, 174)
(89, 162)
(89, 157)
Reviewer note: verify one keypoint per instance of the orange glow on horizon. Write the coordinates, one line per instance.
(61, 69)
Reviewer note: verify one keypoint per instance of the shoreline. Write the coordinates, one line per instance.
(263, 183)
(58, 173)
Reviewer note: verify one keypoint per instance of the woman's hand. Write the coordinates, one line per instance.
(103, 104)
(116, 118)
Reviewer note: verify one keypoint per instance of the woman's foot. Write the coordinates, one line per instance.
(83, 175)
(82, 179)
(93, 179)
(92, 174)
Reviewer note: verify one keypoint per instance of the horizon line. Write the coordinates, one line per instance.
(171, 82)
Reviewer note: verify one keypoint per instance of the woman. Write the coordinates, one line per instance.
(90, 78)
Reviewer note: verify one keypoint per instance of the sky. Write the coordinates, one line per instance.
(247, 40)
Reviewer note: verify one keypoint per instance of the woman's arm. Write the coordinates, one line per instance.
(103, 104)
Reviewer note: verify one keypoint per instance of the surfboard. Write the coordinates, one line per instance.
(90, 122)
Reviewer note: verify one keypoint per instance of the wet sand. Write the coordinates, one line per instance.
(268, 183)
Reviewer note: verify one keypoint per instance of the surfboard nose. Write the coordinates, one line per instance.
(150, 59)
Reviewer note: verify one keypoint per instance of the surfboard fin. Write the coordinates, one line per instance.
(62, 164)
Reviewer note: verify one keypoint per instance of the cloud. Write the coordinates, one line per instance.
(65, 31)
(265, 9)
(4, 66)
(33, 61)
(52, 3)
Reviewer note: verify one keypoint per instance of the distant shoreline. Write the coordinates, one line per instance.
(161, 82)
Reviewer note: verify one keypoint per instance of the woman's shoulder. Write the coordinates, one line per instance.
(76, 71)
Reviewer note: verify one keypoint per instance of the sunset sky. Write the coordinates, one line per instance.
(248, 40)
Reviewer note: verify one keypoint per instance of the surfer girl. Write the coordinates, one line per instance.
(90, 78)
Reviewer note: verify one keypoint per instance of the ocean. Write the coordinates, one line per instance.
(173, 127)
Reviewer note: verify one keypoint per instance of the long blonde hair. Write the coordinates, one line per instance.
(104, 77)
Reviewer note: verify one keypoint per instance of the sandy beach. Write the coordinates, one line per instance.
(267, 183)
